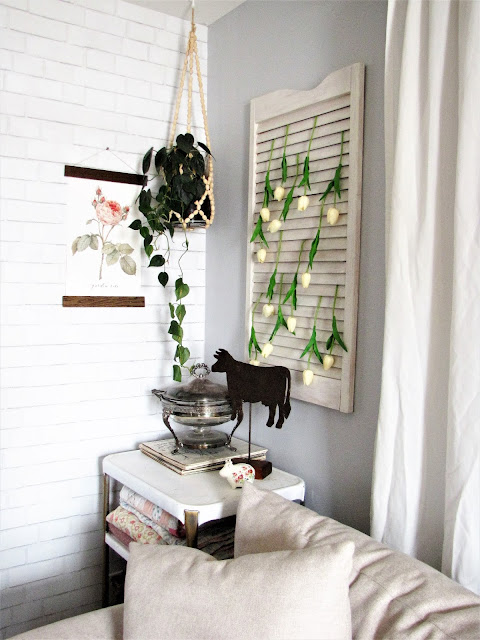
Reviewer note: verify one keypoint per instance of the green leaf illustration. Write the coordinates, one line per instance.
(172, 310)
(125, 248)
(83, 242)
(93, 243)
(108, 247)
(74, 245)
(128, 265)
(113, 257)
(136, 224)
(148, 249)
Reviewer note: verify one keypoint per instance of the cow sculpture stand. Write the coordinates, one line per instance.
(247, 383)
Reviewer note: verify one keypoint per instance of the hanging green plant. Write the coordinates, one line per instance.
(182, 172)
(280, 189)
(303, 201)
(335, 337)
(312, 348)
(289, 198)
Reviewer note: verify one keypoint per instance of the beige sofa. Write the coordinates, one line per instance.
(391, 595)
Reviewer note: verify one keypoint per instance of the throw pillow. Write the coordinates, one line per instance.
(178, 593)
(269, 522)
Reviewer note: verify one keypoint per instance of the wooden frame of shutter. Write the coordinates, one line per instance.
(338, 102)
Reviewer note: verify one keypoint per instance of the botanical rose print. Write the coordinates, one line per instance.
(110, 212)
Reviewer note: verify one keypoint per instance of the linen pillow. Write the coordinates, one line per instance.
(268, 522)
(178, 593)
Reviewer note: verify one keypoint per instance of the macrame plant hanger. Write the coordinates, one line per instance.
(191, 56)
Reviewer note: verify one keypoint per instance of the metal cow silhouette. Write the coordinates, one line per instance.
(247, 383)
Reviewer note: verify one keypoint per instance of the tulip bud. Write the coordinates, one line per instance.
(268, 310)
(291, 324)
(267, 349)
(307, 377)
(302, 203)
(261, 255)
(255, 363)
(306, 277)
(265, 214)
(332, 215)
(328, 361)
(279, 193)
(274, 225)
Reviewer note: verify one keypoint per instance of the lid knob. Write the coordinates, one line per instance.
(198, 367)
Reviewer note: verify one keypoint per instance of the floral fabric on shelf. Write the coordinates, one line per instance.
(129, 523)
(153, 512)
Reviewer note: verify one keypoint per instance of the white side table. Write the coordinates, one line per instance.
(193, 499)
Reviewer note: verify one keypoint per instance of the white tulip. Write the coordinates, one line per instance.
(328, 361)
(255, 363)
(307, 377)
(265, 214)
(332, 215)
(261, 255)
(306, 277)
(267, 349)
(274, 225)
(291, 324)
(279, 193)
(268, 310)
(302, 203)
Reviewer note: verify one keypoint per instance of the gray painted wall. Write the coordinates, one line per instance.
(258, 48)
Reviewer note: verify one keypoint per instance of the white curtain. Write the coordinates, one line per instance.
(426, 483)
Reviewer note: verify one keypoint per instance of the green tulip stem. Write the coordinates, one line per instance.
(285, 141)
(270, 158)
(279, 249)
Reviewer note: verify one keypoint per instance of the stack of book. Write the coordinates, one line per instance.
(187, 461)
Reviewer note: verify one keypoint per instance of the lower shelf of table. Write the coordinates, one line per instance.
(117, 546)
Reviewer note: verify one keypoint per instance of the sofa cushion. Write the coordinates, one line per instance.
(188, 594)
(103, 624)
(391, 594)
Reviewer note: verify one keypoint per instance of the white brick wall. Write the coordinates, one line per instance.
(76, 76)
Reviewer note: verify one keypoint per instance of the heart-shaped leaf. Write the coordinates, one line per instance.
(147, 159)
(163, 278)
(181, 312)
(177, 373)
(157, 261)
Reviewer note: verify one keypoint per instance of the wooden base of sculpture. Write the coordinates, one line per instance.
(263, 468)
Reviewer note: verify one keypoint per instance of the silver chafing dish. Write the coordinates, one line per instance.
(200, 405)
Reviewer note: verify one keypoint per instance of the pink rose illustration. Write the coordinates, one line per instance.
(109, 212)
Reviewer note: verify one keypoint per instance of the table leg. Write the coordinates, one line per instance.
(191, 528)
(106, 554)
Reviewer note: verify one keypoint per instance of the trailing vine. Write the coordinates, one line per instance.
(183, 187)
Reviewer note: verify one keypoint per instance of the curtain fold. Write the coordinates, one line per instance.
(426, 484)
